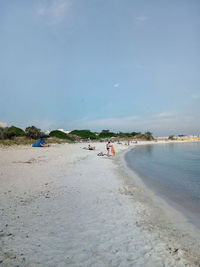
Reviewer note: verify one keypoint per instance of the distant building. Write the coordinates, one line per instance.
(183, 136)
(178, 137)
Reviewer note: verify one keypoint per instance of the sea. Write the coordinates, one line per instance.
(172, 171)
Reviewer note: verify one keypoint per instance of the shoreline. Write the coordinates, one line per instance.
(65, 206)
(177, 200)
(163, 217)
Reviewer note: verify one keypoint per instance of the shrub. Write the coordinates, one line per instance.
(1, 133)
(84, 134)
(135, 133)
(106, 134)
(20, 140)
(13, 131)
(61, 135)
(149, 136)
(33, 132)
(124, 135)
(146, 136)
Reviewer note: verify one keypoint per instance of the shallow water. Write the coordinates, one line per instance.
(172, 171)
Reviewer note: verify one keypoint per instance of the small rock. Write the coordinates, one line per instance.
(2, 259)
(9, 234)
(12, 257)
(175, 250)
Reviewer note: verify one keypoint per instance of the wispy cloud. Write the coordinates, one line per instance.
(141, 19)
(55, 11)
(110, 123)
(162, 124)
(116, 85)
(163, 115)
(195, 96)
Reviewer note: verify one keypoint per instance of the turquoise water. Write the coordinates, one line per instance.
(173, 172)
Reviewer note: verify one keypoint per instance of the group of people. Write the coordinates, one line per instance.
(109, 147)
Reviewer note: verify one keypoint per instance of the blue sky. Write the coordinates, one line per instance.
(123, 65)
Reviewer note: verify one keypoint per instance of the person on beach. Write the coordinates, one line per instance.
(112, 150)
(108, 147)
(40, 143)
(90, 147)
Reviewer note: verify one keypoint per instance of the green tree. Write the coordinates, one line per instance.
(33, 132)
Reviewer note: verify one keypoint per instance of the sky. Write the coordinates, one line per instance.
(123, 65)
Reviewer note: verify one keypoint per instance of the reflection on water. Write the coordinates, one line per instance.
(147, 150)
(171, 169)
(171, 147)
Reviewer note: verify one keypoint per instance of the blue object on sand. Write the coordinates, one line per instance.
(38, 143)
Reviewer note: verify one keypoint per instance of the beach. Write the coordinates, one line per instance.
(66, 206)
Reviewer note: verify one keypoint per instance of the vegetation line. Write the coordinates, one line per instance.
(14, 135)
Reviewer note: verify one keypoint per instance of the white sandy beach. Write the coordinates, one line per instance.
(65, 206)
